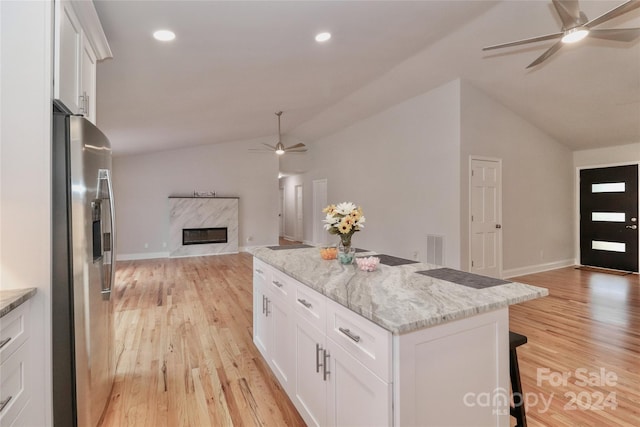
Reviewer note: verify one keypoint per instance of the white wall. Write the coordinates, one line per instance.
(402, 167)
(607, 156)
(142, 184)
(537, 198)
(25, 180)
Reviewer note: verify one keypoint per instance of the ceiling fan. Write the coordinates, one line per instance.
(576, 26)
(279, 148)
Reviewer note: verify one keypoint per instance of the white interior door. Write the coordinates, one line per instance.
(486, 214)
(299, 224)
(281, 214)
(319, 202)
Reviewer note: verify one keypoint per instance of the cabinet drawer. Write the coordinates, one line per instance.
(13, 395)
(14, 330)
(367, 342)
(261, 270)
(311, 305)
(281, 286)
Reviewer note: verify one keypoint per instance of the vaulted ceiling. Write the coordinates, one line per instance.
(234, 63)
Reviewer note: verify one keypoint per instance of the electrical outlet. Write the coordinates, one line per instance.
(415, 255)
(164, 244)
(146, 246)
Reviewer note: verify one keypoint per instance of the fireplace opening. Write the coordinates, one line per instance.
(202, 236)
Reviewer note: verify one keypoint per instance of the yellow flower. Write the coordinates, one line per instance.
(329, 209)
(345, 225)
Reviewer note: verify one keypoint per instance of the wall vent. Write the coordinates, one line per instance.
(435, 249)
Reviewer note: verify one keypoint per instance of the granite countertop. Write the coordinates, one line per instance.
(395, 297)
(10, 299)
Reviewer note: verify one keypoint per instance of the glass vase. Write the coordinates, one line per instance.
(346, 253)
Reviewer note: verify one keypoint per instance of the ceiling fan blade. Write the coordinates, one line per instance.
(553, 49)
(619, 35)
(270, 146)
(296, 150)
(569, 12)
(299, 145)
(616, 11)
(525, 41)
(261, 150)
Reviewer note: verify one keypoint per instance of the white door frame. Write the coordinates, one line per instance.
(576, 207)
(298, 225)
(319, 237)
(282, 222)
(499, 213)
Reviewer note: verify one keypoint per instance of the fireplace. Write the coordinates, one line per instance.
(202, 236)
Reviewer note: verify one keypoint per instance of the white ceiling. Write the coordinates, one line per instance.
(234, 63)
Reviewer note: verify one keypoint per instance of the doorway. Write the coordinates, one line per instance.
(609, 217)
(319, 202)
(298, 228)
(485, 207)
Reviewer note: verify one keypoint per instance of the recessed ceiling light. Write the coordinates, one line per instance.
(164, 35)
(323, 37)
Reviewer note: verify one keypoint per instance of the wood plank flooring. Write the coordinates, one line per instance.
(186, 356)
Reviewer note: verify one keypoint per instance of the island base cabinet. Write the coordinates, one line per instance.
(260, 331)
(355, 395)
(310, 390)
(454, 375)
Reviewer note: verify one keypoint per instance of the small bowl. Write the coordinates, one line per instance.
(368, 263)
(329, 252)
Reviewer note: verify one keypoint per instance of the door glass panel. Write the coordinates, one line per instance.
(608, 216)
(608, 246)
(609, 187)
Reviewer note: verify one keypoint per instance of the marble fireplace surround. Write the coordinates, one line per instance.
(202, 212)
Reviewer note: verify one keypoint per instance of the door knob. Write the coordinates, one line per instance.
(498, 225)
(633, 227)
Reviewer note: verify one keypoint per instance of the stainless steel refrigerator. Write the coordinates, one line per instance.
(83, 266)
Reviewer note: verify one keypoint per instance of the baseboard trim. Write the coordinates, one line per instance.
(538, 268)
(143, 255)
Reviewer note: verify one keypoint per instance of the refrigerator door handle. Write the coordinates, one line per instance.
(106, 176)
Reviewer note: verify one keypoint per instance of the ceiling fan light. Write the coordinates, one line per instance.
(575, 35)
(279, 149)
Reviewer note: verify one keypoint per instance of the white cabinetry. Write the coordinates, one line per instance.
(14, 371)
(79, 44)
(273, 324)
(330, 381)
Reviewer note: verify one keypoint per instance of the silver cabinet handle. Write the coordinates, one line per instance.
(267, 313)
(264, 306)
(318, 364)
(259, 271)
(5, 342)
(350, 334)
(325, 363)
(278, 284)
(305, 303)
(633, 227)
(4, 402)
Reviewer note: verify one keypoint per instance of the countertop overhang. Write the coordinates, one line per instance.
(396, 298)
(12, 298)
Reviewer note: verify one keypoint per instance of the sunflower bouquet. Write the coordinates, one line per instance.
(344, 220)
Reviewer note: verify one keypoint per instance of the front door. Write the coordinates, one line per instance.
(609, 217)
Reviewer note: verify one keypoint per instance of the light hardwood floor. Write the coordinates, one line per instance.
(186, 356)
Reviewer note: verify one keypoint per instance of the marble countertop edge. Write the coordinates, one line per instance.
(10, 299)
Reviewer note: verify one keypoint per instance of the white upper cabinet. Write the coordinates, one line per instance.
(79, 44)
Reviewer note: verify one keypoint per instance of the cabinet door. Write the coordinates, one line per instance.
(280, 329)
(260, 319)
(67, 57)
(355, 395)
(310, 388)
(88, 81)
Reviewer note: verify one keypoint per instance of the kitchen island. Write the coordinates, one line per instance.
(408, 344)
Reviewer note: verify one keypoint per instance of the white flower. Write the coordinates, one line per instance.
(360, 222)
(345, 208)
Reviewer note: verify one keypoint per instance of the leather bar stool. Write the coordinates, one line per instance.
(516, 411)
